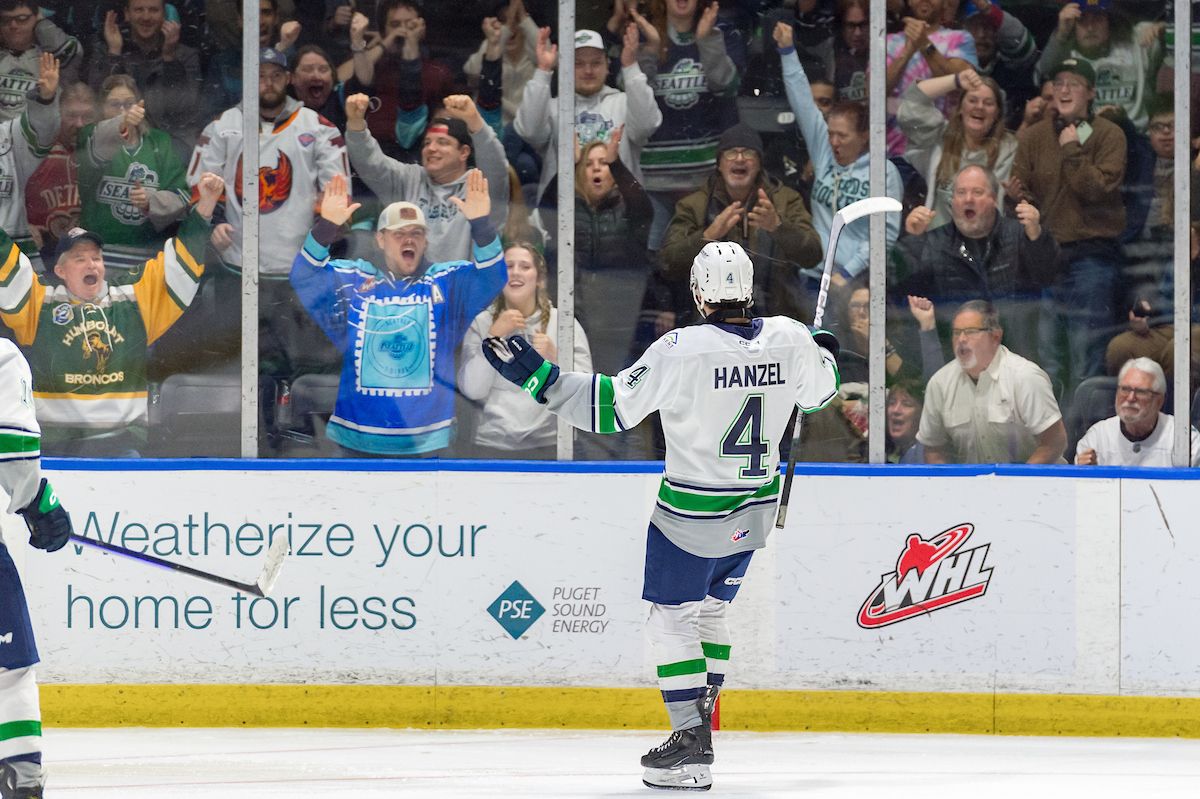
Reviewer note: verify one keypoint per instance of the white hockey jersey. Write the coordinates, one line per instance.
(20, 436)
(24, 142)
(724, 400)
(298, 154)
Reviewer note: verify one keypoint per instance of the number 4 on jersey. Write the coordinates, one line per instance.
(744, 439)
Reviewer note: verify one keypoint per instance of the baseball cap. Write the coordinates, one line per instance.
(1080, 67)
(451, 126)
(269, 55)
(400, 215)
(1094, 6)
(73, 237)
(587, 38)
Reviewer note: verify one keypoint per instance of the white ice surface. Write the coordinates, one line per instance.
(363, 764)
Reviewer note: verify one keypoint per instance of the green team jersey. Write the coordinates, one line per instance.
(104, 187)
(89, 358)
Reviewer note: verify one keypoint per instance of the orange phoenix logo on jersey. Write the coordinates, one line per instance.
(274, 184)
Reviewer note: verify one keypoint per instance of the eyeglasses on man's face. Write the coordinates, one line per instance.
(1142, 394)
(734, 153)
(15, 19)
(967, 332)
(1163, 127)
(1067, 83)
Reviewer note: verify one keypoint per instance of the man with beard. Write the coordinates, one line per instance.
(1006, 260)
(87, 339)
(299, 152)
(1124, 58)
(741, 203)
(167, 72)
(989, 405)
(52, 192)
(1140, 434)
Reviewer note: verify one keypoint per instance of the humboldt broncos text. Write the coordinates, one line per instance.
(724, 393)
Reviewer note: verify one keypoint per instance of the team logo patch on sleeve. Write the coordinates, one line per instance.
(62, 314)
(306, 139)
(930, 575)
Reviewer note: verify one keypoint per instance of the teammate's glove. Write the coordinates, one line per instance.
(825, 339)
(518, 362)
(49, 524)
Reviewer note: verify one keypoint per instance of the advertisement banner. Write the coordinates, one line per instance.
(929, 584)
(393, 577)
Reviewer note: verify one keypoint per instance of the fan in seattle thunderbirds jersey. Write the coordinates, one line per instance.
(29, 494)
(24, 142)
(725, 391)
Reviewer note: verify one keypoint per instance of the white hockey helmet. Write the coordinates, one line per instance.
(722, 272)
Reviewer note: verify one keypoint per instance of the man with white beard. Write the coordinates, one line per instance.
(989, 405)
(1140, 434)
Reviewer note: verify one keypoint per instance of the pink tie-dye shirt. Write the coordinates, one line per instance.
(952, 44)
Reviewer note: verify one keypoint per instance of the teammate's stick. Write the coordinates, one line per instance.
(260, 587)
(853, 211)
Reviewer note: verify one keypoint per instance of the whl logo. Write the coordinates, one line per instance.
(930, 575)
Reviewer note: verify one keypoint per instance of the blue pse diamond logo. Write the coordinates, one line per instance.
(515, 610)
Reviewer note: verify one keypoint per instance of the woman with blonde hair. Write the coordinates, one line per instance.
(509, 425)
(938, 148)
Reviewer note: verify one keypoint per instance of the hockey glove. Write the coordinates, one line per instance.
(49, 524)
(826, 340)
(518, 362)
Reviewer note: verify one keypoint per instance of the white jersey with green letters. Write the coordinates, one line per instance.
(724, 400)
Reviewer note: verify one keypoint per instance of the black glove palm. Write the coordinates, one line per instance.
(49, 524)
(518, 362)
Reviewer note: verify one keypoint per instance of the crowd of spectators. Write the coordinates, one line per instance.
(408, 168)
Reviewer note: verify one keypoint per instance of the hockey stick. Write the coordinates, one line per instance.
(853, 211)
(260, 587)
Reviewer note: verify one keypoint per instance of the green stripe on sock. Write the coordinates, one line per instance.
(20, 729)
(697, 666)
(16, 442)
(608, 416)
(716, 651)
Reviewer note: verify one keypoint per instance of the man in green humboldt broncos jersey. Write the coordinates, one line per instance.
(86, 338)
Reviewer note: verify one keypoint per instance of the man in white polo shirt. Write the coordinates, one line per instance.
(1140, 434)
(989, 405)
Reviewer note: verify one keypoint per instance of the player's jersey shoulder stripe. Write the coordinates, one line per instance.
(604, 412)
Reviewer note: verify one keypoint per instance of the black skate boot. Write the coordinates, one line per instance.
(681, 762)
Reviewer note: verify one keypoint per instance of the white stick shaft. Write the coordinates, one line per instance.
(853, 211)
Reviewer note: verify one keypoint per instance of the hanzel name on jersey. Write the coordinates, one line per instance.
(761, 374)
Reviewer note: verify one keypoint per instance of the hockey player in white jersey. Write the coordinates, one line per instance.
(21, 774)
(725, 390)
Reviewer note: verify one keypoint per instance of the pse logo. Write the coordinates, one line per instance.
(930, 575)
(515, 610)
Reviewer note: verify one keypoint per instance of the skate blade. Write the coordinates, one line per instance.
(692, 777)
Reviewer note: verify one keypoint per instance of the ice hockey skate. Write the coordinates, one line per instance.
(681, 762)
